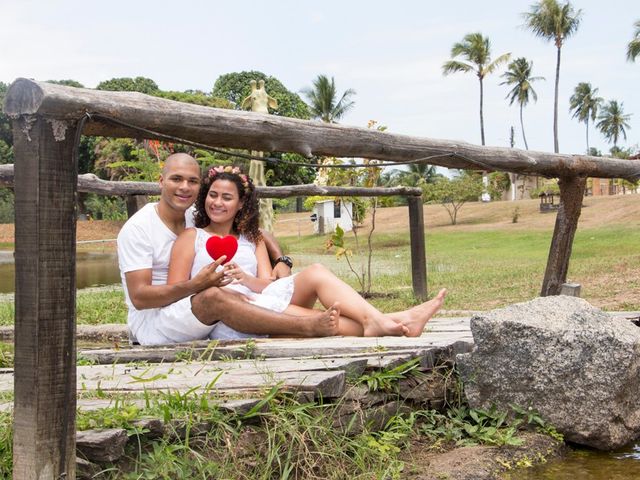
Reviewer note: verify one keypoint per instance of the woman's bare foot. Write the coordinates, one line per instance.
(417, 317)
(385, 326)
(322, 324)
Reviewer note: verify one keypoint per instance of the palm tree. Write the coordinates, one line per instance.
(552, 21)
(613, 122)
(518, 74)
(476, 50)
(633, 49)
(322, 100)
(585, 104)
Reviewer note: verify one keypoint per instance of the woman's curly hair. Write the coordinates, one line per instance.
(247, 220)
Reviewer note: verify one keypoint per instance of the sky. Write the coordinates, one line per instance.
(390, 53)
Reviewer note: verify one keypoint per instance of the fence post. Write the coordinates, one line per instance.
(135, 203)
(418, 255)
(45, 298)
(571, 195)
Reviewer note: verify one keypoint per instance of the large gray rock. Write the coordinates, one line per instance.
(573, 363)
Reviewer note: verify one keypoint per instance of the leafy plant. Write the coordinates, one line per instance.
(386, 380)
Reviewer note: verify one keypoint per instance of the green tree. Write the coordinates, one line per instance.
(613, 122)
(518, 75)
(475, 49)
(633, 49)
(554, 22)
(127, 84)
(195, 97)
(323, 100)
(584, 103)
(235, 87)
(6, 135)
(67, 83)
(452, 194)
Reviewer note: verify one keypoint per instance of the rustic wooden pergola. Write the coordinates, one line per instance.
(47, 123)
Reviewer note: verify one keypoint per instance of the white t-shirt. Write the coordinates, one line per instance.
(145, 242)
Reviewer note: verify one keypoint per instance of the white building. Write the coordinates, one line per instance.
(329, 213)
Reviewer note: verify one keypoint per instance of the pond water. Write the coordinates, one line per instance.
(582, 464)
(92, 270)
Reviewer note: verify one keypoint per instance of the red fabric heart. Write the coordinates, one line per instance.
(218, 246)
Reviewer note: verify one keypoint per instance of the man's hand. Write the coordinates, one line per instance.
(208, 277)
(281, 270)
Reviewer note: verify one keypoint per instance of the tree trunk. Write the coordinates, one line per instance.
(526, 146)
(556, 145)
(481, 114)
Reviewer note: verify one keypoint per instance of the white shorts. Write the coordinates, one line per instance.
(174, 323)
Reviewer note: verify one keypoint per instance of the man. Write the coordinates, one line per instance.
(161, 313)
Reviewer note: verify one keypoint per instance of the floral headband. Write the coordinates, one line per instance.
(214, 171)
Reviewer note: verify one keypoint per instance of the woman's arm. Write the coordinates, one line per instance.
(259, 282)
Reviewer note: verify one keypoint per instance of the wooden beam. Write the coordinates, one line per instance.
(270, 133)
(571, 195)
(418, 255)
(135, 203)
(45, 255)
(89, 183)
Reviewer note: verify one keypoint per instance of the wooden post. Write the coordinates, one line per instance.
(571, 195)
(45, 299)
(135, 203)
(418, 255)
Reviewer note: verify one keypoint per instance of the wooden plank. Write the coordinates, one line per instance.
(271, 133)
(45, 234)
(280, 348)
(418, 255)
(571, 195)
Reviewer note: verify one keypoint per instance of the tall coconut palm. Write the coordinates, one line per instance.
(519, 75)
(323, 100)
(633, 49)
(554, 22)
(584, 103)
(613, 122)
(476, 50)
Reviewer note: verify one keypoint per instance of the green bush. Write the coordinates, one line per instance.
(6, 206)
(100, 207)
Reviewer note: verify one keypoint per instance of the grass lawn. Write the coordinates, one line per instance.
(482, 269)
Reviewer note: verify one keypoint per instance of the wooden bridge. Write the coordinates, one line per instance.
(47, 122)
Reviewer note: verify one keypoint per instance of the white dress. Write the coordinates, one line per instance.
(276, 296)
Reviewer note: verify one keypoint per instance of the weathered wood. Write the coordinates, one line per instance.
(288, 348)
(135, 203)
(570, 289)
(45, 254)
(106, 445)
(571, 194)
(271, 133)
(90, 183)
(418, 255)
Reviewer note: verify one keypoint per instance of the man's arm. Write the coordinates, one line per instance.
(280, 269)
(144, 295)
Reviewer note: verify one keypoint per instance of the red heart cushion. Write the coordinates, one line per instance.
(218, 246)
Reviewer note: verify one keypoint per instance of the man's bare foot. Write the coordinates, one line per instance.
(417, 317)
(385, 326)
(322, 324)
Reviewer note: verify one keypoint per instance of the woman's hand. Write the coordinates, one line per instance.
(236, 274)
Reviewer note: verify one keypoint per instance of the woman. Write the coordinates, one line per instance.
(227, 205)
